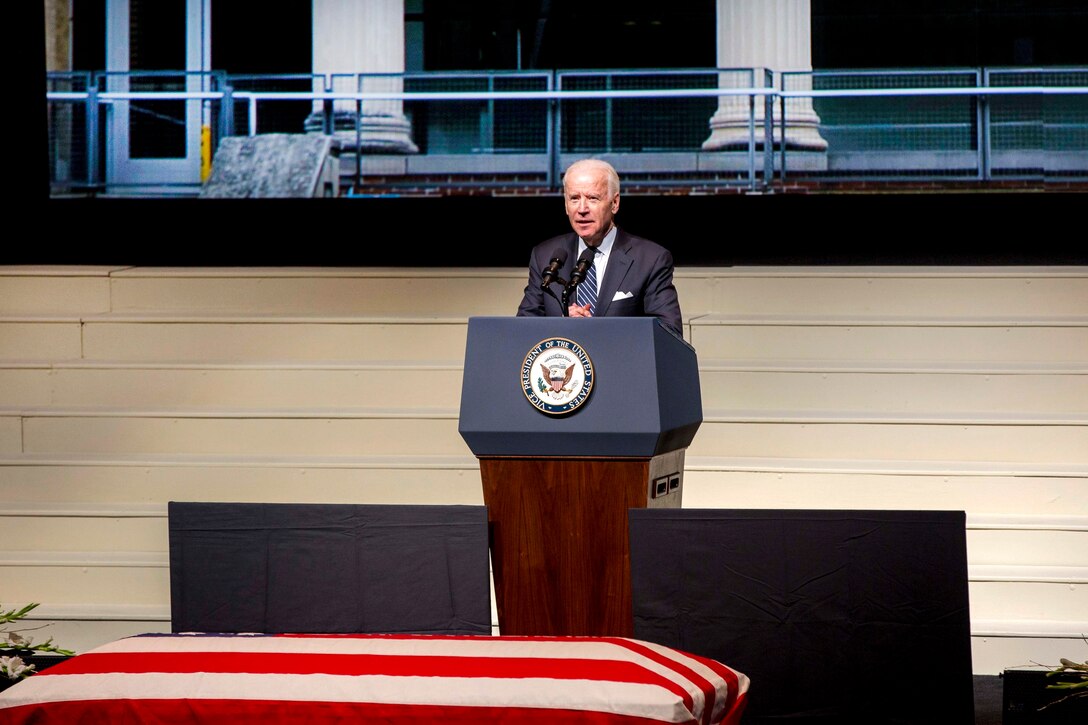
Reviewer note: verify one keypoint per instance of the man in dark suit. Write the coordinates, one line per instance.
(632, 276)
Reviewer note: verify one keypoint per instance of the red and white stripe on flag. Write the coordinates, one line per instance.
(382, 678)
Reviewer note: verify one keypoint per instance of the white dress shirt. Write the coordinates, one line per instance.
(604, 249)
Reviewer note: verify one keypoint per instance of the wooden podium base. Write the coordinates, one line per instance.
(559, 546)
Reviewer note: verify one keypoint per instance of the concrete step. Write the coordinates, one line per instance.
(1029, 600)
(86, 534)
(894, 438)
(419, 431)
(246, 433)
(905, 390)
(11, 434)
(272, 339)
(793, 341)
(46, 289)
(994, 654)
(197, 385)
(979, 488)
(83, 627)
(349, 432)
(83, 578)
(878, 340)
(40, 338)
(408, 292)
(754, 386)
(111, 481)
(1011, 292)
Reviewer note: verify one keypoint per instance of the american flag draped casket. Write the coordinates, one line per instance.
(183, 678)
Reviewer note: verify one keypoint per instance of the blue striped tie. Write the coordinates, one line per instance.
(587, 290)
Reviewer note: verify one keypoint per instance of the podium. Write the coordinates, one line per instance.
(574, 422)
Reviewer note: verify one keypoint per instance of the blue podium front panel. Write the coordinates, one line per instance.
(559, 387)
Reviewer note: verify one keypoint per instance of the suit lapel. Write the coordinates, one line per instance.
(619, 262)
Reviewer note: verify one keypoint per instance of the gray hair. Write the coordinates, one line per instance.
(599, 165)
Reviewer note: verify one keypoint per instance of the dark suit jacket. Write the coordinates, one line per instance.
(635, 265)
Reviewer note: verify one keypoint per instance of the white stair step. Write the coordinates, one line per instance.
(325, 291)
(28, 384)
(11, 434)
(895, 439)
(40, 338)
(193, 384)
(1010, 290)
(884, 340)
(43, 290)
(1014, 292)
(83, 533)
(188, 339)
(1010, 547)
(419, 431)
(109, 582)
(903, 391)
(95, 630)
(994, 654)
(1028, 600)
(1025, 491)
(114, 480)
(197, 385)
(246, 435)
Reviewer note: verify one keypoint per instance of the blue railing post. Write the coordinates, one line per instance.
(751, 133)
(328, 121)
(226, 111)
(982, 117)
(768, 129)
(608, 114)
(555, 146)
(487, 123)
(92, 132)
(359, 87)
(768, 155)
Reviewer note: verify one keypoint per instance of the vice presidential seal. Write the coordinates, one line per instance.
(557, 376)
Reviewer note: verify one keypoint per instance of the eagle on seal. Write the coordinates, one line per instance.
(557, 377)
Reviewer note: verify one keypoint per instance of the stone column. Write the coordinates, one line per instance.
(765, 34)
(58, 35)
(58, 57)
(363, 36)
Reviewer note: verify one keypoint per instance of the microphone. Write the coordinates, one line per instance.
(585, 261)
(559, 258)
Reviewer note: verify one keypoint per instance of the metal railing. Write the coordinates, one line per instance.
(694, 127)
(983, 125)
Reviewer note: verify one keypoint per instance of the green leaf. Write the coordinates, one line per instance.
(16, 614)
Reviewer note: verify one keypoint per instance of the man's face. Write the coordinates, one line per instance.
(590, 208)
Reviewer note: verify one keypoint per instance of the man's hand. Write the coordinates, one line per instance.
(579, 311)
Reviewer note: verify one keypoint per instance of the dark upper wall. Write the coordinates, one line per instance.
(944, 33)
(619, 33)
(817, 229)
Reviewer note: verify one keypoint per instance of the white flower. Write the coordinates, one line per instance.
(14, 668)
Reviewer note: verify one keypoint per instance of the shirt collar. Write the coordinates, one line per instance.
(606, 244)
